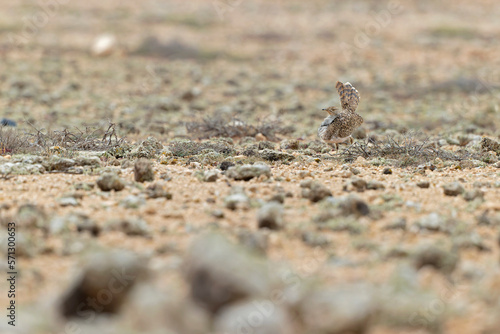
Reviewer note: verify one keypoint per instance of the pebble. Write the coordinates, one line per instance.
(387, 170)
(314, 191)
(270, 216)
(220, 273)
(110, 181)
(130, 226)
(442, 260)
(423, 184)
(158, 190)
(104, 45)
(121, 267)
(453, 189)
(256, 242)
(471, 195)
(143, 171)
(248, 172)
(375, 185)
(210, 176)
(132, 202)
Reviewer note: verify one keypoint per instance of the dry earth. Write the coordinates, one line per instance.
(397, 233)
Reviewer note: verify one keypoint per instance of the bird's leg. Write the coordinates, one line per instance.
(351, 140)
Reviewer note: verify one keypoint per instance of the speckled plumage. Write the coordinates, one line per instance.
(338, 126)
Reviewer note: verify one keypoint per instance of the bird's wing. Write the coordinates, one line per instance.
(349, 96)
(329, 120)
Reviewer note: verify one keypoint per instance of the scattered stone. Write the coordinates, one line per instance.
(375, 185)
(289, 144)
(132, 202)
(56, 163)
(260, 137)
(270, 216)
(355, 170)
(433, 222)
(442, 260)
(87, 186)
(104, 45)
(225, 165)
(278, 198)
(315, 239)
(387, 170)
(237, 201)
(254, 241)
(31, 216)
(220, 273)
(122, 268)
(471, 240)
(130, 226)
(353, 205)
(191, 94)
(423, 184)
(471, 195)
(68, 201)
(158, 190)
(266, 145)
(259, 316)
(398, 224)
(453, 189)
(248, 172)
(210, 176)
(110, 181)
(218, 214)
(143, 171)
(343, 309)
(83, 223)
(272, 155)
(314, 191)
(92, 161)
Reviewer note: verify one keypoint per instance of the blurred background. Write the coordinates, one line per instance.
(152, 66)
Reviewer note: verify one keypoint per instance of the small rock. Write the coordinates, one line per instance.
(473, 194)
(270, 216)
(143, 171)
(158, 190)
(110, 181)
(254, 241)
(258, 316)
(453, 189)
(433, 222)
(237, 201)
(488, 144)
(289, 144)
(343, 309)
(260, 137)
(220, 273)
(353, 205)
(83, 223)
(104, 45)
(272, 155)
(248, 172)
(225, 165)
(132, 202)
(375, 185)
(423, 184)
(31, 216)
(130, 226)
(122, 268)
(387, 170)
(398, 224)
(210, 176)
(68, 201)
(315, 239)
(314, 191)
(218, 214)
(436, 257)
(59, 164)
(263, 145)
(279, 198)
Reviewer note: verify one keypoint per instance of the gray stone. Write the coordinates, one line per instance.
(339, 310)
(210, 176)
(123, 268)
(220, 273)
(314, 191)
(258, 316)
(440, 259)
(423, 184)
(270, 216)
(132, 202)
(453, 189)
(248, 172)
(143, 171)
(110, 181)
(131, 226)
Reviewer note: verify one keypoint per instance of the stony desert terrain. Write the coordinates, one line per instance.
(161, 167)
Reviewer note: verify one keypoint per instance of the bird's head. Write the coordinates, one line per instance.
(331, 110)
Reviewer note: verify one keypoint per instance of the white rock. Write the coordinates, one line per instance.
(104, 45)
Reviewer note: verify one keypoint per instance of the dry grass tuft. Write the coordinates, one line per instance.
(407, 151)
(218, 125)
(12, 141)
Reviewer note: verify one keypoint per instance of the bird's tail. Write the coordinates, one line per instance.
(349, 96)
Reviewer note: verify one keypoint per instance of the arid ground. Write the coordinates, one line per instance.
(175, 141)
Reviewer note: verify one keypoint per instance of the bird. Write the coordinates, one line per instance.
(338, 126)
